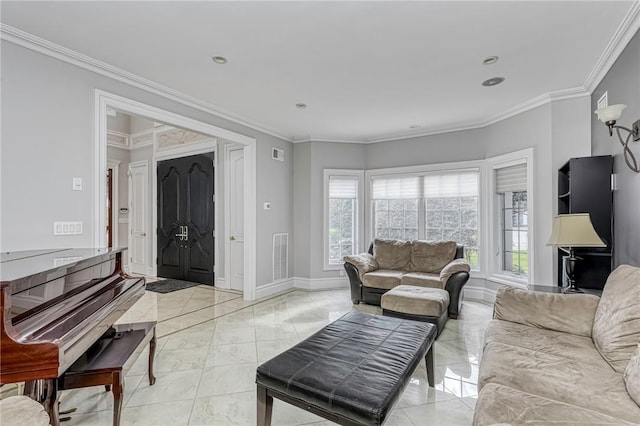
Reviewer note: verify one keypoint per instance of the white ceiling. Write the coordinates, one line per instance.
(367, 70)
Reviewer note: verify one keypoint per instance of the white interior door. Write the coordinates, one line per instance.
(235, 218)
(138, 200)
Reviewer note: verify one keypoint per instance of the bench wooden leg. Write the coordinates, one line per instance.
(430, 370)
(118, 391)
(265, 407)
(152, 355)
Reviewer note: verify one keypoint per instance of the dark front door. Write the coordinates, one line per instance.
(185, 218)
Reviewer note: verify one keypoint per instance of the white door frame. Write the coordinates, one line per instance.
(103, 100)
(227, 213)
(114, 165)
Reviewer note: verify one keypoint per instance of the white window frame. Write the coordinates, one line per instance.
(495, 271)
(421, 170)
(359, 225)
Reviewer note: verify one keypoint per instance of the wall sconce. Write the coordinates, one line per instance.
(609, 115)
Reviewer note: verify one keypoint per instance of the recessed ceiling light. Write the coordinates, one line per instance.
(493, 81)
(219, 60)
(415, 126)
(301, 106)
(490, 60)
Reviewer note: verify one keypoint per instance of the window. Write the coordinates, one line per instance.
(511, 218)
(514, 232)
(343, 190)
(433, 206)
(396, 207)
(452, 210)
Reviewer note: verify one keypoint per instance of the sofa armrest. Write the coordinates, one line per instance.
(456, 265)
(568, 313)
(364, 262)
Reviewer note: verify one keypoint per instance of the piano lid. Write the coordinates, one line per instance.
(22, 264)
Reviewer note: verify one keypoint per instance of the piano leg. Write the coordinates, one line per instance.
(152, 355)
(118, 391)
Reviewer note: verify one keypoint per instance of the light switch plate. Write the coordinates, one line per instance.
(77, 184)
(67, 228)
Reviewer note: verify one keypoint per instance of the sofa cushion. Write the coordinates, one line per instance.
(382, 278)
(632, 376)
(501, 404)
(22, 411)
(421, 279)
(558, 379)
(616, 326)
(577, 348)
(431, 256)
(392, 254)
(413, 300)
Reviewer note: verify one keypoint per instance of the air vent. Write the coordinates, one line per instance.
(280, 256)
(277, 154)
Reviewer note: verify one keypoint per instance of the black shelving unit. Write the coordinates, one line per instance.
(584, 186)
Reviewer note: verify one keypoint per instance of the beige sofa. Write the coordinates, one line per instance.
(563, 359)
(390, 263)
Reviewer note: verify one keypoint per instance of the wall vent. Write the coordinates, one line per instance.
(280, 256)
(277, 154)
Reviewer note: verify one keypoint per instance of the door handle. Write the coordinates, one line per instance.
(232, 238)
(183, 233)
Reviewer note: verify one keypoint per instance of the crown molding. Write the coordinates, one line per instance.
(625, 32)
(536, 102)
(56, 51)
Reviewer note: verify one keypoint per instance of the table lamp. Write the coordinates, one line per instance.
(573, 230)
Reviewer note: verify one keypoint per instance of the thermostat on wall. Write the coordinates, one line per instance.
(124, 210)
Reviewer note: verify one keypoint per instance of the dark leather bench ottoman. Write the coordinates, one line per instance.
(351, 372)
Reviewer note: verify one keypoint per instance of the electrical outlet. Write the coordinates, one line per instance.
(636, 130)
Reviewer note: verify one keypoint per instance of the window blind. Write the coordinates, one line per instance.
(512, 178)
(404, 188)
(455, 184)
(343, 187)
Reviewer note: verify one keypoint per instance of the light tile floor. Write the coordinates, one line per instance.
(211, 341)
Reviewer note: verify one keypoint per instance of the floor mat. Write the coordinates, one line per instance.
(167, 286)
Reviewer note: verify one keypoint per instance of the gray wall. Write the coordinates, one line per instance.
(557, 131)
(622, 83)
(311, 160)
(48, 138)
(120, 123)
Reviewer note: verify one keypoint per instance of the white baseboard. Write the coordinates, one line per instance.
(274, 288)
(221, 283)
(321, 283)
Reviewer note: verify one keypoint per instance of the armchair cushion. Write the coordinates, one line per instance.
(431, 256)
(632, 376)
(616, 327)
(456, 265)
(363, 262)
(569, 313)
(392, 254)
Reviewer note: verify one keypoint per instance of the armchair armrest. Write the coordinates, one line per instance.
(364, 262)
(568, 313)
(456, 265)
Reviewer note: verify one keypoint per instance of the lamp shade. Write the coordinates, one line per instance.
(574, 230)
(610, 113)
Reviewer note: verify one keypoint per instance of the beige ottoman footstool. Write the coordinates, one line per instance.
(417, 303)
